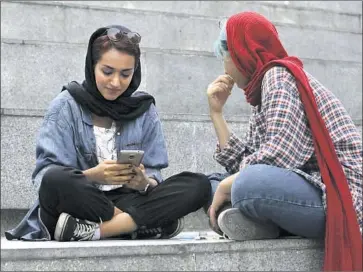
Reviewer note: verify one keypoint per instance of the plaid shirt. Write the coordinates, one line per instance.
(279, 135)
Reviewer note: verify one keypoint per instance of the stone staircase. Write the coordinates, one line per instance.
(43, 45)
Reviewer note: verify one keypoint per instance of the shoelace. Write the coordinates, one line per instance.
(151, 231)
(84, 231)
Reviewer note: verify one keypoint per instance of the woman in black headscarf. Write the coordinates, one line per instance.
(84, 193)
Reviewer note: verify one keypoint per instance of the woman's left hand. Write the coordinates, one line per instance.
(139, 179)
(221, 196)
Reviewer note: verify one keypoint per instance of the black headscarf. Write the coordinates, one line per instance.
(125, 107)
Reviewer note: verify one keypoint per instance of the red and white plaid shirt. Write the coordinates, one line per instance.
(279, 135)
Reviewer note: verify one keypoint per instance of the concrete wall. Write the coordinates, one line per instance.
(43, 45)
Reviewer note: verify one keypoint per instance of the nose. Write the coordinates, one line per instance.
(115, 82)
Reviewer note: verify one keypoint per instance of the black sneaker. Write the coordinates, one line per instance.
(73, 229)
(173, 229)
(165, 232)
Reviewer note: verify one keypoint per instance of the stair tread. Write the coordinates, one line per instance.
(184, 242)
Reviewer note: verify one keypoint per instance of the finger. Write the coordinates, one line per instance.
(226, 79)
(118, 167)
(224, 86)
(230, 79)
(227, 85)
(221, 88)
(110, 162)
(120, 179)
(142, 167)
(213, 218)
(124, 172)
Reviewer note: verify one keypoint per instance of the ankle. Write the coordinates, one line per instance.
(120, 224)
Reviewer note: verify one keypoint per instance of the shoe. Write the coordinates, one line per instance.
(69, 228)
(236, 226)
(224, 207)
(173, 229)
(165, 232)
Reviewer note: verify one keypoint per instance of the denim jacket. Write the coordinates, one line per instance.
(66, 138)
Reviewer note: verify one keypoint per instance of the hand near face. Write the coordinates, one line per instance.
(218, 92)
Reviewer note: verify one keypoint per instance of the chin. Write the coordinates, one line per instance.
(111, 96)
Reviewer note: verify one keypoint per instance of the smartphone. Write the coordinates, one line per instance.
(133, 157)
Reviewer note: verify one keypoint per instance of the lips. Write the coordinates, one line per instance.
(113, 90)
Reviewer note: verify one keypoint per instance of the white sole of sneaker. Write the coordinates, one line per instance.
(59, 229)
(238, 227)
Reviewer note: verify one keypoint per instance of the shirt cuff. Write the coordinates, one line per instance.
(154, 174)
(232, 142)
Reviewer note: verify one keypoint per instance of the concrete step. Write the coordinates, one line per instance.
(333, 16)
(188, 252)
(168, 75)
(70, 24)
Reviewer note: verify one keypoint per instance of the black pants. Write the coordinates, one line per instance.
(65, 189)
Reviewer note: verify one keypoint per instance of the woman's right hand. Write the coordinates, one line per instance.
(218, 93)
(110, 172)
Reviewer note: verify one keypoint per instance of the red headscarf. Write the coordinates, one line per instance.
(255, 47)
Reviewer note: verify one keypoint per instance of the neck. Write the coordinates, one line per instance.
(101, 121)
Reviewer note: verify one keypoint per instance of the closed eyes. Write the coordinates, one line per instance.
(123, 73)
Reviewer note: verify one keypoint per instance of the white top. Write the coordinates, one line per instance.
(106, 149)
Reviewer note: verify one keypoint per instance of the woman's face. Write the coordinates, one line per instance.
(231, 69)
(113, 73)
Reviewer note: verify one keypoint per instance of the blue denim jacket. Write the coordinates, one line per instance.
(66, 138)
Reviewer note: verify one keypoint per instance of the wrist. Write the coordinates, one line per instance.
(90, 174)
(216, 114)
(146, 189)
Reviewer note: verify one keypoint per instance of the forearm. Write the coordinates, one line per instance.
(221, 128)
(226, 184)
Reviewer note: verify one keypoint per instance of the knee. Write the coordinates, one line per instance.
(199, 187)
(202, 187)
(56, 177)
(251, 183)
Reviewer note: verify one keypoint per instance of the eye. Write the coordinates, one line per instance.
(107, 71)
(126, 74)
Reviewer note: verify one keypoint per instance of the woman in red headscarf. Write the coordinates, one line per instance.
(299, 166)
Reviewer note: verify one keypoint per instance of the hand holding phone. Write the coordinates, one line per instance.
(133, 157)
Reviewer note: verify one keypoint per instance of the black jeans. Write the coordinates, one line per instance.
(65, 189)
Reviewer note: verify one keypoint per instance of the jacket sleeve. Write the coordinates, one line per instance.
(55, 144)
(154, 146)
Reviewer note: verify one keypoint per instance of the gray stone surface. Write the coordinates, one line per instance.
(354, 7)
(167, 255)
(182, 32)
(333, 16)
(168, 76)
(10, 219)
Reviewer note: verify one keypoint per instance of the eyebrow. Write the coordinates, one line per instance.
(122, 70)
